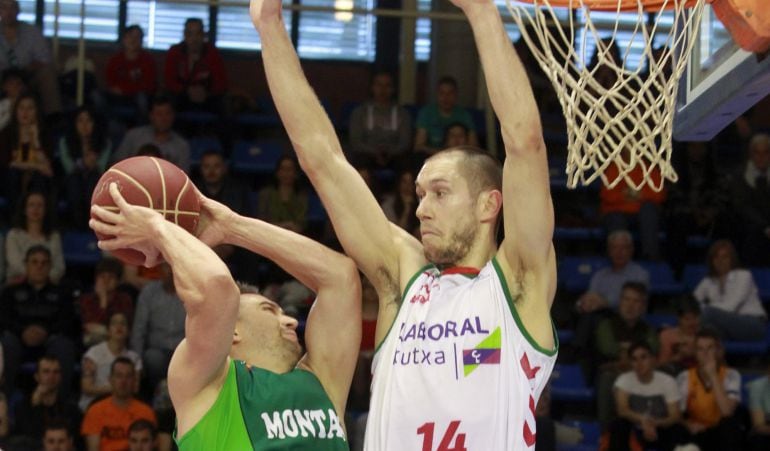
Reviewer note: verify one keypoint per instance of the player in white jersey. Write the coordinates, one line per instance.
(465, 352)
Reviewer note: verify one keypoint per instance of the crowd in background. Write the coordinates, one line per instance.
(85, 349)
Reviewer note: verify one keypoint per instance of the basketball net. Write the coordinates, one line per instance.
(615, 114)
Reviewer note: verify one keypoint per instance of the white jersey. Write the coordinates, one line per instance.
(457, 371)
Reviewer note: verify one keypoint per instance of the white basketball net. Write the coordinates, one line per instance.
(629, 121)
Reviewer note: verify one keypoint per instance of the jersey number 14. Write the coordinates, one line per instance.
(451, 435)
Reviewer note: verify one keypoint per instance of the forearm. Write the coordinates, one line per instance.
(506, 78)
(198, 272)
(314, 265)
(306, 122)
(725, 404)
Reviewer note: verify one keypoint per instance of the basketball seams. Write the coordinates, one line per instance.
(136, 183)
(179, 199)
(162, 185)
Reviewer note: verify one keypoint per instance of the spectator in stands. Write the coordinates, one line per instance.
(759, 408)
(624, 206)
(612, 340)
(58, 436)
(84, 153)
(13, 85)
(97, 306)
(33, 225)
(677, 344)
(173, 147)
(195, 72)
(25, 149)
(142, 436)
(696, 203)
(95, 379)
(131, 74)
(380, 128)
(647, 404)
(710, 394)
(401, 207)
(603, 295)
(158, 326)
(215, 182)
(729, 297)
(25, 48)
(38, 318)
(750, 194)
(433, 120)
(105, 426)
(455, 135)
(44, 403)
(284, 203)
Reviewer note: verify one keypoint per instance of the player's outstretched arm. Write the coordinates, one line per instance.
(333, 330)
(528, 209)
(202, 282)
(358, 220)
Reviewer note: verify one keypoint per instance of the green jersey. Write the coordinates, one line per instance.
(260, 410)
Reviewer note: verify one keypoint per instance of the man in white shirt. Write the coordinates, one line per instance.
(647, 404)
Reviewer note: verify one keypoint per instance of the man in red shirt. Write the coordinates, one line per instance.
(131, 73)
(194, 72)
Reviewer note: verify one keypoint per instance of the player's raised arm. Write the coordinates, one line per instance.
(358, 220)
(202, 282)
(333, 331)
(527, 205)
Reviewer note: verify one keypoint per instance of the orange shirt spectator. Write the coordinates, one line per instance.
(111, 422)
(624, 199)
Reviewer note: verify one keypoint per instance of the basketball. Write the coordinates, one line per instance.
(154, 183)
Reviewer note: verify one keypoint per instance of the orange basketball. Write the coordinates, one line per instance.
(154, 183)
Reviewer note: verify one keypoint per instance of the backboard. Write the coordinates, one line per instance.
(722, 81)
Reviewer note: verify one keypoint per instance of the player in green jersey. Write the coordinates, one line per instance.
(240, 380)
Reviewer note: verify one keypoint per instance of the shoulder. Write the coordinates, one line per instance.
(625, 380)
(683, 377)
(663, 378)
(742, 275)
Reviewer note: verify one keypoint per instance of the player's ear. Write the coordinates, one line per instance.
(490, 203)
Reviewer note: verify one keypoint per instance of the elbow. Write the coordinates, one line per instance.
(523, 139)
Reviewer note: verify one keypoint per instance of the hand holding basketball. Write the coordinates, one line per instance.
(132, 227)
(213, 219)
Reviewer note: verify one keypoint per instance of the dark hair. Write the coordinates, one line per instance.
(110, 265)
(247, 288)
(687, 304)
(48, 357)
(212, 152)
(20, 216)
(161, 100)
(639, 287)
(143, 425)
(451, 126)
(709, 332)
(296, 167)
(37, 249)
(447, 80)
(639, 344)
(121, 361)
(130, 28)
(98, 139)
(57, 424)
(398, 202)
(192, 20)
(15, 73)
(13, 138)
(714, 248)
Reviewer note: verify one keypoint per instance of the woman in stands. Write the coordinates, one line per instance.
(729, 297)
(83, 153)
(32, 225)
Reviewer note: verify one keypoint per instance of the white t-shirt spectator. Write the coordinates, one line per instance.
(739, 294)
(651, 398)
(102, 356)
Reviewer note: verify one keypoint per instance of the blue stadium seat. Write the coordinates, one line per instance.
(315, 209)
(256, 157)
(660, 320)
(698, 241)
(575, 272)
(692, 275)
(762, 279)
(80, 248)
(577, 233)
(201, 144)
(568, 384)
(259, 120)
(662, 278)
(591, 435)
(196, 117)
(749, 348)
(565, 336)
